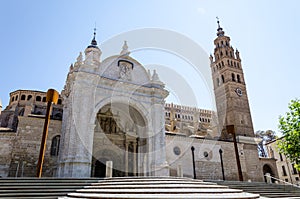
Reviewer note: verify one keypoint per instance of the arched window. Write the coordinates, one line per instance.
(233, 77)
(226, 53)
(223, 79)
(238, 78)
(222, 63)
(17, 97)
(234, 64)
(218, 82)
(231, 63)
(13, 99)
(29, 97)
(23, 97)
(59, 101)
(44, 99)
(55, 146)
(38, 98)
(222, 43)
(228, 62)
(221, 53)
(231, 54)
(238, 65)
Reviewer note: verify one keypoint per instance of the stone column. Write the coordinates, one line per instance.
(109, 169)
(134, 159)
(126, 158)
(179, 171)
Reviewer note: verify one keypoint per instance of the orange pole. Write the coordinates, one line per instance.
(52, 96)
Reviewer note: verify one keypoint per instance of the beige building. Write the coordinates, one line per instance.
(285, 168)
(115, 110)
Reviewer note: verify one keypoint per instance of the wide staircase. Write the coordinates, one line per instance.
(136, 187)
(41, 187)
(264, 189)
(158, 187)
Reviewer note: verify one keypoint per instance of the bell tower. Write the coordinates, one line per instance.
(230, 88)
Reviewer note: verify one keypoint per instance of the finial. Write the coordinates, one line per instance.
(125, 50)
(220, 30)
(94, 42)
(218, 21)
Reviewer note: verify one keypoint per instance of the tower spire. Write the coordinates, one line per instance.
(220, 31)
(93, 42)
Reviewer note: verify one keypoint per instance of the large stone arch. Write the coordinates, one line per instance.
(121, 136)
(268, 169)
(92, 85)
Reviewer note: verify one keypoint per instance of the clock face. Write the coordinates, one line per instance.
(239, 92)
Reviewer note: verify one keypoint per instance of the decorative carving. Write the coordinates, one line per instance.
(125, 69)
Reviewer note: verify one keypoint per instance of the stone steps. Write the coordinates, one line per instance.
(265, 190)
(153, 188)
(47, 188)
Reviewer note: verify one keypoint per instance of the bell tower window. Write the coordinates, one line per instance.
(238, 78)
(233, 77)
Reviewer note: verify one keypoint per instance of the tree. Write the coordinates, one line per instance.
(289, 125)
(266, 136)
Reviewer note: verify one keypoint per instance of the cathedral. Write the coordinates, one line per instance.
(114, 110)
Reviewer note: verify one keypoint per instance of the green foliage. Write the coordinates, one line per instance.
(289, 125)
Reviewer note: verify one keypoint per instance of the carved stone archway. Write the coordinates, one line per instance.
(120, 137)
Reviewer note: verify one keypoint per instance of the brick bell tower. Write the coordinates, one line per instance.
(230, 88)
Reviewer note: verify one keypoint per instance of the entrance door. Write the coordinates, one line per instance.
(100, 169)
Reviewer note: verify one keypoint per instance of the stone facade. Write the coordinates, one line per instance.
(114, 110)
(208, 161)
(134, 102)
(20, 149)
(284, 168)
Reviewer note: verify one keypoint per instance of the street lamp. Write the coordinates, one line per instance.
(222, 166)
(193, 156)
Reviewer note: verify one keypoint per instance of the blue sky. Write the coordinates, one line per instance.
(40, 39)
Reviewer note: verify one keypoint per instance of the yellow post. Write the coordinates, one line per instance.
(52, 97)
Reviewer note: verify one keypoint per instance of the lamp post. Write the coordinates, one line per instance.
(230, 130)
(193, 156)
(52, 97)
(222, 166)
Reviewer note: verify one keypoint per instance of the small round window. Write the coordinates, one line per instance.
(176, 150)
(207, 155)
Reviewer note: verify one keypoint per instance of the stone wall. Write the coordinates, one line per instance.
(20, 150)
(207, 158)
(6, 140)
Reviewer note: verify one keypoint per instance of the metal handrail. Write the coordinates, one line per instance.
(284, 182)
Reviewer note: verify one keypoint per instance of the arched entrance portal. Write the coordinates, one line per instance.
(120, 136)
(267, 169)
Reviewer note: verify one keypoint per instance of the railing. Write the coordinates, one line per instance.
(293, 186)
